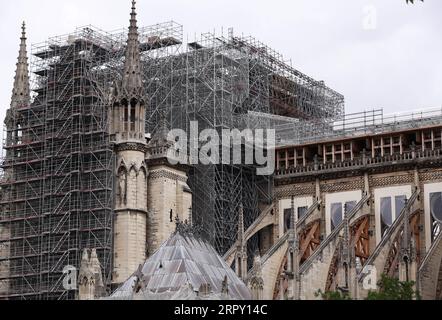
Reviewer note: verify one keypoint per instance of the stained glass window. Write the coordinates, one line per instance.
(436, 205)
(386, 211)
(336, 214)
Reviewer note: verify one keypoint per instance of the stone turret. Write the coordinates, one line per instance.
(90, 279)
(256, 281)
(127, 115)
(169, 195)
(128, 112)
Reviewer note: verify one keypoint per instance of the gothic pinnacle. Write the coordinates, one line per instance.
(21, 89)
(132, 83)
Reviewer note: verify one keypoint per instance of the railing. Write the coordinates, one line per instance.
(367, 122)
(361, 162)
(396, 224)
(334, 234)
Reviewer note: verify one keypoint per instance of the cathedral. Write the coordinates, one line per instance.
(88, 183)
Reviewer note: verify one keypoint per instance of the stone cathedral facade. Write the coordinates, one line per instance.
(353, 204)
(146, 185)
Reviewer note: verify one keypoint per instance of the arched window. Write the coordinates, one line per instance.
(436, 205)
(436, 213)
(287, 219)
(133, 104)
(336, 214)
(125, 107)
(386, 214)
(391, 210)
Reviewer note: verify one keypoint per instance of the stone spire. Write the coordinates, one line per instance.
(293, 254)
(128, 112)
(160, 137)
(21, 93)
(346, 253)
(241, 226)
(256, 282)
(128, 134)
(132, 83)
(404, 265)
(241, 251)
(346, 250)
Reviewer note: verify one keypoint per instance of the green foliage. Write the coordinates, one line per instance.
(393, 289)
(332, 295)
(389, 289)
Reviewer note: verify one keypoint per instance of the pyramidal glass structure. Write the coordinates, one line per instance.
(184, 268)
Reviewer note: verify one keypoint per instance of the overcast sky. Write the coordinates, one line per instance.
(378, 53)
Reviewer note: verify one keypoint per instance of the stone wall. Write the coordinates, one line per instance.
(130, 221)
(169, 197)
(315, 276)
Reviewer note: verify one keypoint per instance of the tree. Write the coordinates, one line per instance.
(332, 295)
(389, 289)
(393, 289)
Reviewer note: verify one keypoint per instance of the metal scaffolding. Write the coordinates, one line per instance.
(57, 188)
(227, 83)
(290, 133)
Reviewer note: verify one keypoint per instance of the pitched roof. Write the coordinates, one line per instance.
(181, 263)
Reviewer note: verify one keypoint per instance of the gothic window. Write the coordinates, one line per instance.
(350, 205)
(391, 210)
(435, 230)
(336, 214)
(133, 104)
(436, 205)
(287, 218)
(399, 204)
(386, 214)
(125, 114)
(302, 211)
(436, 213)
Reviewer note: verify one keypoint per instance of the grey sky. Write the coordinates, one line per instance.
(396, 66)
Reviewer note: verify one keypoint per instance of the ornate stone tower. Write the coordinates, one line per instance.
(90, 280)
(127, 115)
(20, 99)
(169, 196)
(21, 92)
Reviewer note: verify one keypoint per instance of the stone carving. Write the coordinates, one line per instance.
(122, 186)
